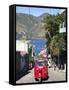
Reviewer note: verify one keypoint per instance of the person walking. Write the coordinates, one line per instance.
(54, 63)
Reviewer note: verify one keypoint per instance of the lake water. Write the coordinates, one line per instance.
(38, 44)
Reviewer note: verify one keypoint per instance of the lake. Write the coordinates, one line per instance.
(38, 44)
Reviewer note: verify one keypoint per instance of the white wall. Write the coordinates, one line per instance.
(21, 46)
(4, 44)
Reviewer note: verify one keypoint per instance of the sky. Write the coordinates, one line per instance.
(37, 11)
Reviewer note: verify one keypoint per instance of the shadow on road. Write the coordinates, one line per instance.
(43, 79)
(20, 75)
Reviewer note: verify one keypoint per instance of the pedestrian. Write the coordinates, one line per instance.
(54, 67)
(54, 63)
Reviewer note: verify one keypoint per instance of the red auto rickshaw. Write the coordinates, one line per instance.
(40, 70)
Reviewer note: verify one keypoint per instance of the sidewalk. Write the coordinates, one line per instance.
(59, 70)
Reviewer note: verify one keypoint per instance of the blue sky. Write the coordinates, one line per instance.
(37, 11)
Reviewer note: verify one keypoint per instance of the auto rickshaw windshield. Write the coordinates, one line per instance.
(40, 63)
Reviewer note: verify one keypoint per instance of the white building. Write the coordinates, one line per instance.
(62, 26)
(22, 46)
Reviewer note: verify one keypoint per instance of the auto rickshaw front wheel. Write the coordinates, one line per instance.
(38, 79)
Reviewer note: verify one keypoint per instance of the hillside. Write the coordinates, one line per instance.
(28, 26)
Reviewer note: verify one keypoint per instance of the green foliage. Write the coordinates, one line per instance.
(57, 44)
(51, 24)
(39, 56)
(56, 41)
(30, 54)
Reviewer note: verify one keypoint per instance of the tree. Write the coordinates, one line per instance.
(57, 44)
(56, 41)
(51, 24)
(30, 54)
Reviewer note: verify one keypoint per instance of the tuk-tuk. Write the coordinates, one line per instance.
(40, 70)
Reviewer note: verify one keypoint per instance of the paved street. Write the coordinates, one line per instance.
(58, 75)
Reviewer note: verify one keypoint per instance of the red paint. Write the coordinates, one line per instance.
(40, 72)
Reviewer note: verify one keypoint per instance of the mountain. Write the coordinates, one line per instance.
(28, 26)
(42, 16)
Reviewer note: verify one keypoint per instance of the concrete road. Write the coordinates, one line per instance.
(58, 75)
